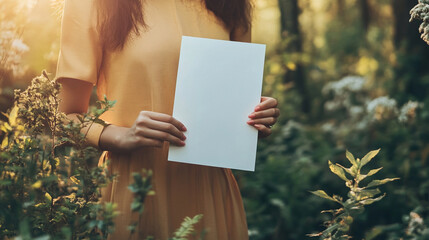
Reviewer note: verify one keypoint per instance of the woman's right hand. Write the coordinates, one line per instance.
(150, 129)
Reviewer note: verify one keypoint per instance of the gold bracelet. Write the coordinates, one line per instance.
(94, 133)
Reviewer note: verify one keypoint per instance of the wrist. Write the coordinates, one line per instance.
(111, 138)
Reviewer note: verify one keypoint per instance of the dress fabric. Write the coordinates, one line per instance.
(142, 76)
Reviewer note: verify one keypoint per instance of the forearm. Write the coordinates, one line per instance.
(91, 131)
(150, 129)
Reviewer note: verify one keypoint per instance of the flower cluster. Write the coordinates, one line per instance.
(351, 96)
(345, 94)
(408, 111)
(382, 107)
(421, 12)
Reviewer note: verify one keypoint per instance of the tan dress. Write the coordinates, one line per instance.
(142, 76)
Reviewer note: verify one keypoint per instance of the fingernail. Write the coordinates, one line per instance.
(252, 115)
(183, 143)
(184, 137)
(184, 129)
(250, 122)
(257, 108)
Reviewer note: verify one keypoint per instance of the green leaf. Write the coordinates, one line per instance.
(338, 199)
(278, 203)
(373, 171)
(350, 157)
(343, 237)
(374, 232)
(330, 229)
(372, 200)
(352, 170)
(380, 182)
(132, 227)
(13, 115)
(4, 143)
(187, 227)
(356, 210)
(323, 194)
(338, 171)
(368, 157)
(368, 193)
(370, 173)
(314, 234)
(135, 206)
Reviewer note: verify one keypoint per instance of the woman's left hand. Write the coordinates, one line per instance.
(264, 116)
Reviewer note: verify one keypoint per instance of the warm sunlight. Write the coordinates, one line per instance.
(104, 135)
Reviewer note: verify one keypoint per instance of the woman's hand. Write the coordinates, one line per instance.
(264, 116)
(150, 129)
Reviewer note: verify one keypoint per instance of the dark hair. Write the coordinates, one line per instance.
(118, 18)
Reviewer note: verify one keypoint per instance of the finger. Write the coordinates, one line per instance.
(264, 121)
(272, 112)
(167, 118)
(165, 127)
(160, 135)
(266, 102)
(263, 130)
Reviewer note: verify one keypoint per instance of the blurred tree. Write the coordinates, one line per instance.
(289, 16)
(365, 13)
(412, 74)
(341, 7)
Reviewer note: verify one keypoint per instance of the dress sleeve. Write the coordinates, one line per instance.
(80, 51)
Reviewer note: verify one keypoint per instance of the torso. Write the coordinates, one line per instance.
(142, 76)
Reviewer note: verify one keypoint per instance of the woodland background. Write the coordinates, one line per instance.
(348, 74)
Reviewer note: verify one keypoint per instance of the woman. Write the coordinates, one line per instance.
(130, 50)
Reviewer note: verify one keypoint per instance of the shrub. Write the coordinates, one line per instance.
(358, 196)
(49, 182)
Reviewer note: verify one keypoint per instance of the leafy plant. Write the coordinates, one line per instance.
(141, 188)
(421, 12)
(187, 228)
(358, 196)
(49, 182)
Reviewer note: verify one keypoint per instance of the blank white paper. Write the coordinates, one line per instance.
(218, 85)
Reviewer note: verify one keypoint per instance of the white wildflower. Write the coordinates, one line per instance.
(384, 101)
(346, 84)
(382, 107)
(408, 111)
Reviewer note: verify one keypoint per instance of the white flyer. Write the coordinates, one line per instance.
(218, 85)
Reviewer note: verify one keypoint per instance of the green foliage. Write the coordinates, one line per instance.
(416, 229)
(421, 12)
(49, 183)
(187, 228)
(141, 188)
(358, 196)
(290, 162)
